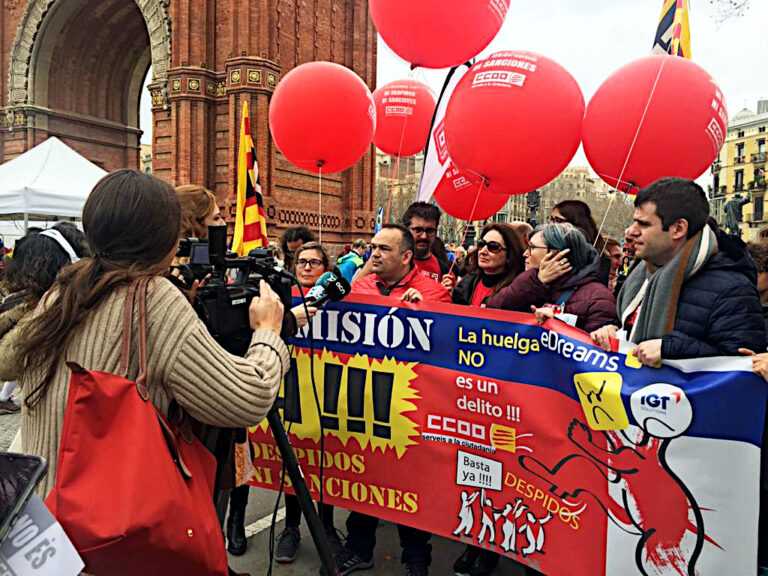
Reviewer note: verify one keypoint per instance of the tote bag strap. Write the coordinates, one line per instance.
(139, 285)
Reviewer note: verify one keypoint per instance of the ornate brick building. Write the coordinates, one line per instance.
(75, 69)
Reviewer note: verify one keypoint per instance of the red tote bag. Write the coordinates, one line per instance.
(132, 493)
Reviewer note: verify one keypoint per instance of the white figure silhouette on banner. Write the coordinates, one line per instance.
(509, 529)
(534, 532)
(488, 526)
(466, 514)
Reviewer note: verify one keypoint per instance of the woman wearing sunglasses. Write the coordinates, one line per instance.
(311, 262)
(497, 261)
(561, 280)
(499, 258)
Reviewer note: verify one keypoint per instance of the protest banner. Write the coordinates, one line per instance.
(482, 426)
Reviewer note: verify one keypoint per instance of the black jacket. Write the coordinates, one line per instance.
(719, 309)
(462, 294)
(465, 289)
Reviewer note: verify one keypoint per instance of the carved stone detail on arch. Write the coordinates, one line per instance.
(156, 17)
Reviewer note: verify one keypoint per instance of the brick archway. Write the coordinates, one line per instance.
(75, 70)
(20, 79)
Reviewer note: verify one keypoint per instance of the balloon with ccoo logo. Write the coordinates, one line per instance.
(655, 117)
(515, 119)
(404, 110)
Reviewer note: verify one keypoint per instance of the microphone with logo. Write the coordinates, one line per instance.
(329, 287)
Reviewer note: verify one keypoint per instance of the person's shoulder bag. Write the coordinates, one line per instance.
(132, 491)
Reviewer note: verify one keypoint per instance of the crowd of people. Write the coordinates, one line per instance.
(675, 286)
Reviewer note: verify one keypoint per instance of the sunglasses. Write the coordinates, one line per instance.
(493, 247)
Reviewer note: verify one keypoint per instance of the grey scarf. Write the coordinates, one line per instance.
(655, 291)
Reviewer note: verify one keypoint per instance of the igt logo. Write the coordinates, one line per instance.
(656, 401)
(662, 410)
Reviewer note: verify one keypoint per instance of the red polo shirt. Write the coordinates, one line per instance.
(431, 290)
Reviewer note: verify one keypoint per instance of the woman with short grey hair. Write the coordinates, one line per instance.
(560, 281)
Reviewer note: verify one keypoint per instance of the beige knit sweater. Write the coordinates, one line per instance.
(214, 386)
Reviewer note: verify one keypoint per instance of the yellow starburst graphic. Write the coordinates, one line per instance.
(364, 399)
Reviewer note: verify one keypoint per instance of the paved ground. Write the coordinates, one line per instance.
(258, 516)
(387, 559)
(9, 423)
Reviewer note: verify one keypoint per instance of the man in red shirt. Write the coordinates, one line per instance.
(393, 270)
(393, 275)
(422, 219)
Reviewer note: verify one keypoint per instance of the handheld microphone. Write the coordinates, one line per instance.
(329, 287)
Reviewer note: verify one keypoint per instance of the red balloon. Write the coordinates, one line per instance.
(404, 110)
(516, 119)
(438, 33)
(660, 116)
(457, 192)
(322, 114)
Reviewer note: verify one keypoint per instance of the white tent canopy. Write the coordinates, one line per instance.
(49, 180)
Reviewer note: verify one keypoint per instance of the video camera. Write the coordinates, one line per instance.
(222, 302)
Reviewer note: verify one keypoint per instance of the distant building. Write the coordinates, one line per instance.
(739, 172)
(403, 184)
(576, 183)
(579, 183)
(145, 158)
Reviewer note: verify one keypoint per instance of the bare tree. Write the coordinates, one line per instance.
(725, 9)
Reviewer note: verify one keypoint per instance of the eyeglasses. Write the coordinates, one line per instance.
(418, 231)
(493, 247)
(313, 263)
(557, 220)
(532, 247)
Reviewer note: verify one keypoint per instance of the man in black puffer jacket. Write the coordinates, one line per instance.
(696, 294)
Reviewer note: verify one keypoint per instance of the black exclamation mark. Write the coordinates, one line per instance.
(356, 399)
(331, 388)
(382, 403)
(291, 402)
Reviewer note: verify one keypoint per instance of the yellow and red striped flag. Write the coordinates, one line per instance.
(250, 221)
(673, 35)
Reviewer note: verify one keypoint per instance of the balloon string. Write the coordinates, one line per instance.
(320, 200)
(394, 171)
(632, 147)
(469, 222)
(396, 168)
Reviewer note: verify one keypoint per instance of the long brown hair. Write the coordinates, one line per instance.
(131, 222)
(514, 263)
(197, 203)
(579, 214)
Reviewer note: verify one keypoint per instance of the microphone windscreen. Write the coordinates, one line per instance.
(338, 289)
(315, 293)
(325, 278)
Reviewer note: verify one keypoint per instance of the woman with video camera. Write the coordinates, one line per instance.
(199, 210)
(311, 262)
(132, 222)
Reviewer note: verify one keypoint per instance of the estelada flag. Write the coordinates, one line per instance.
(673, 35)
(250, 221)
